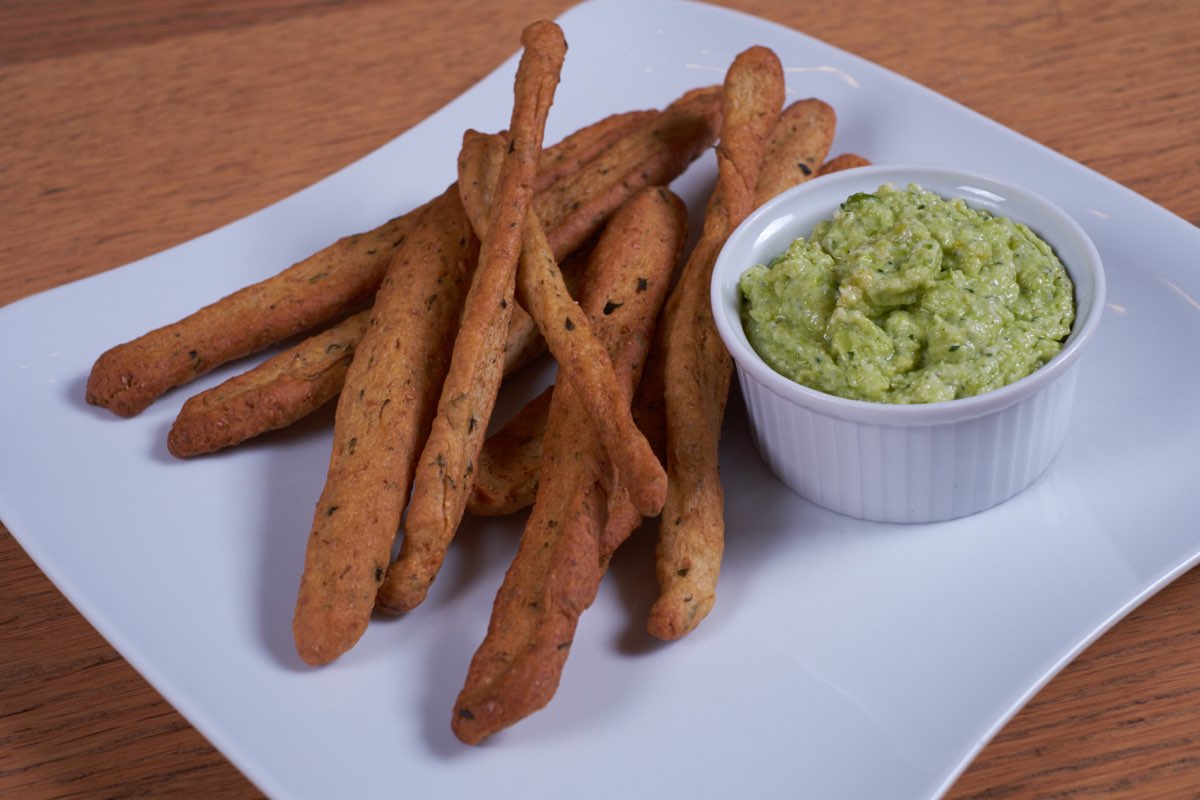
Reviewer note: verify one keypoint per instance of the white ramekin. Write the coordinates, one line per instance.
(906, 463)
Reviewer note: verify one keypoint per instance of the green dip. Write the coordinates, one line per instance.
(905, 297)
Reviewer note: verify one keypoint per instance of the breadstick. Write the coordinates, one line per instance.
(581, 357)
(325, 286)
(692, 120)
(697, 368)
(797, 147)
(844, 161)
(293, 384)
(557, 570)
(329, 284)
(383, 412)
(651, 149)
(444, 473)
(582, 214)
(799, 141)
(509, 464)
(525, 342)
(652, 155)
(273, 395)
(583, 363)
(570, 155)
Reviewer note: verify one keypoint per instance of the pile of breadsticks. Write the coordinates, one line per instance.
(412, 327)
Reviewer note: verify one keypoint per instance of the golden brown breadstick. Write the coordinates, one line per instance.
(844, 161)
(292, 384)
(382, 416)
(515, 670)
(568, 156)
(652, 155)
(797, 147)
(445, 471)
(509, 464)
(525, 342)
(619, 156)
(562, 160)
(323, 287)
(563, 551)
(649, 404)
(582, 214)
(273, 395)
(697, 368)
(583, 362)
(651, 149)
(798, 143)
(693, 120)
(327, 285)
(582, 359)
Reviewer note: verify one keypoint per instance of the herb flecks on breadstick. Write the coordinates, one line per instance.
(272, 395)
(582, 360)
(331, 283)
(697, 366)
(570, 533)
(383, 414)
(445, 471)
(323, 287)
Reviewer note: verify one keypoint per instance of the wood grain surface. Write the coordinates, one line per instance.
(133, 125)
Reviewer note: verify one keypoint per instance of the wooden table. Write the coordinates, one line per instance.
(132, 125)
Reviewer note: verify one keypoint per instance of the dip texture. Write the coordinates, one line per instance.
(906, 297)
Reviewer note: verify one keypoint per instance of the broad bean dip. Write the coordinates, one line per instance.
(906, 297)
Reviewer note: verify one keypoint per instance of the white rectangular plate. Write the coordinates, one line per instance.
(843, 658)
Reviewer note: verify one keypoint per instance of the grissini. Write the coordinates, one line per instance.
(697, 367)
(336, 280)
(444, 472)
(564, 549)
(383, 415)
